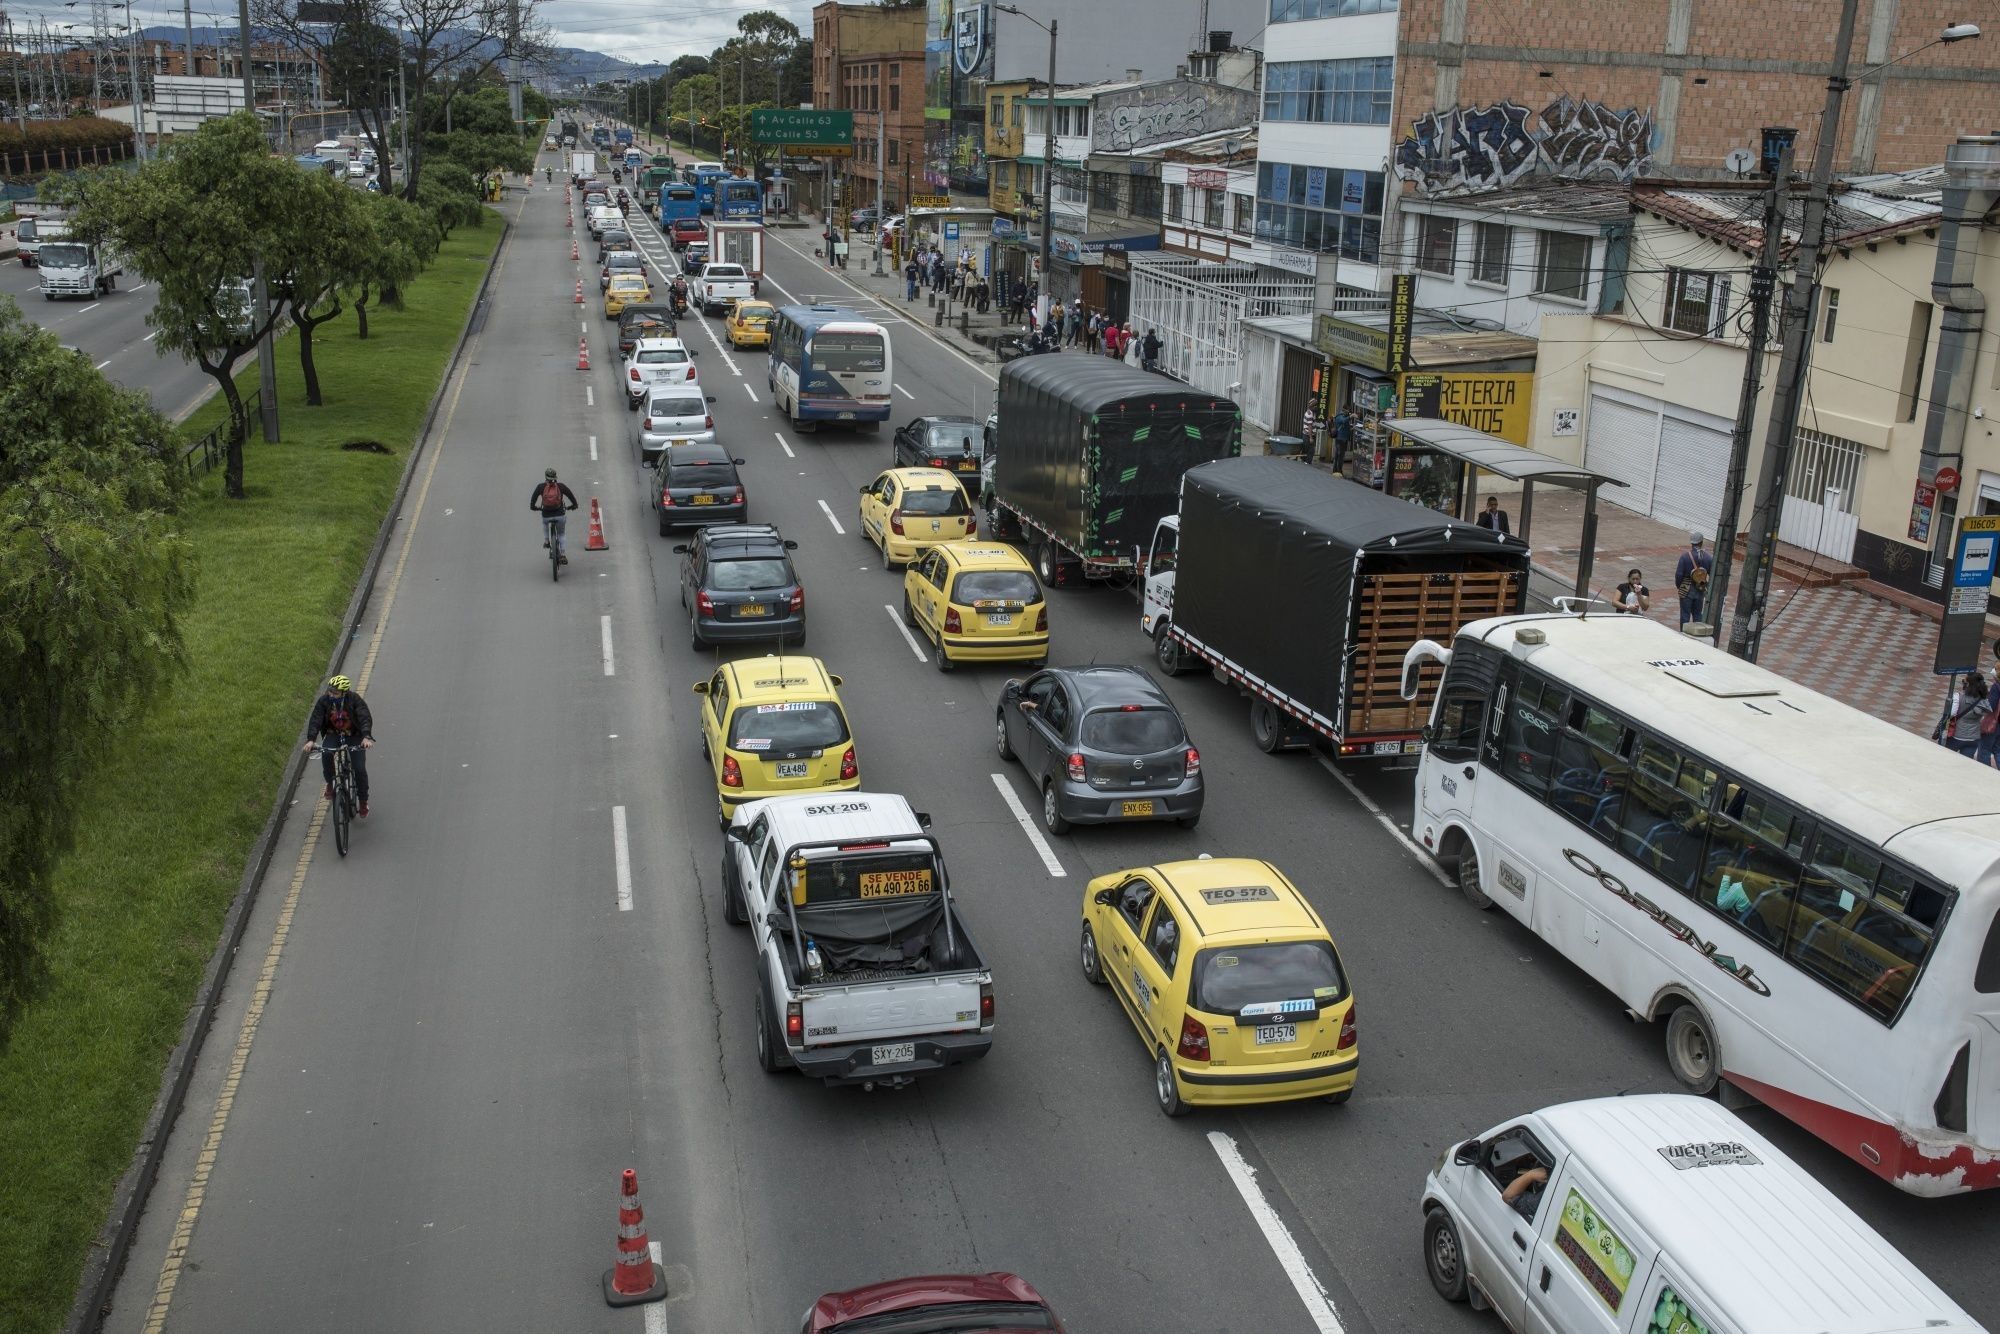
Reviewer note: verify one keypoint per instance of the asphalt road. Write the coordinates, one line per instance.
(465, 1037)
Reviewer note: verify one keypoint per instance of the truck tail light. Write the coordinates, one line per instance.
(952, 624)
(848, 768)
(896, 522)
(985, 1002)
(634, 373)
(798, 599)
(709, 421)
(703, 603)
(647, 425)
(1347, 1032)
(1042, 621)
(1076, 766)
(732, 772)
(795, 1020)
(1194, 1039)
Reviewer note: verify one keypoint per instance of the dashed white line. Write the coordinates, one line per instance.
(656, 1312)
(92, 306)
(827, 512)
(151, 336)
(593, 449)
(897, 618)
(621, 853)
(904, 392)
(1384, 819)
(604, 626)
(102, 364)
(140, 288)
(583, 326)
(786, 445)
(1042, 849)
(589, 396)
(752, 392)
(1319, 1308)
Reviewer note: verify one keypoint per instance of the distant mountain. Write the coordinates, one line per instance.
(570, 62)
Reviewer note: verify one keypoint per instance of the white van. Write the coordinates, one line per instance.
(333, 151)
(1660, 1214)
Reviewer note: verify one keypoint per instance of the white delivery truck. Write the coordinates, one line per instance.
(865, 974)
(77, 268)
(39, 225)
(582, 164)
(1660, 1214)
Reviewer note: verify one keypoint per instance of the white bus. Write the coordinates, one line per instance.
(829, 364)
(1804, 894)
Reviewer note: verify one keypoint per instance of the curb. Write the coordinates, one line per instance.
(106, 1261)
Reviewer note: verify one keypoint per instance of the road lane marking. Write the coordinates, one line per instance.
(656, 1312)
(1020, 812)
(589, 396)
(604, 628)
(752, 392)
(583, 326)
(140, 288)
(92, 306)
(827, 512)
(151, 336)
(1383, 818)
(102, 364)
(786, 445)
(260, 995)
(593, 449)
(1276, 1235)
(908, 638)
(905, 393)
(621, 853)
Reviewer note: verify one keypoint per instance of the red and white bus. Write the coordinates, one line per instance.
(1803, 894)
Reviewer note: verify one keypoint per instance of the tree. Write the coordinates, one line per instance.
(451, 196)
(196, 223)
(398, 240)
(94, 574)
(327, 262)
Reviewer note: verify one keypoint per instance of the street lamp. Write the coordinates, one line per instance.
(1048, 161)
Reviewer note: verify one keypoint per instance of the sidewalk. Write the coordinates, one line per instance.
(1858, 642)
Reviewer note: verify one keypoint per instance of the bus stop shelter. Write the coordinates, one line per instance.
(1432, 461)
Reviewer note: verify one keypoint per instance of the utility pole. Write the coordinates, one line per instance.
(260, 295)
(514, 61)
(1788, 393)
(1777, 146)
(187, 24)
(881, 164)
(14, 45)
(1049, 185)
(138, 89)
(403, 110)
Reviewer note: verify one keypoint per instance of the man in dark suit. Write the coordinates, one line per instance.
(1493, 516)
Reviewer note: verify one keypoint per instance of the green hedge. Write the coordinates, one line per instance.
(56, 135)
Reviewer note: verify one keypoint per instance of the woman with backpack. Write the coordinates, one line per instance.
(1964, 718)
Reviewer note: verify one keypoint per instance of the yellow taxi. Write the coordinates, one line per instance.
(1231, 979)
(625, 288)
(773, 727)
(748, 323)
(906, 511)
(976, 603)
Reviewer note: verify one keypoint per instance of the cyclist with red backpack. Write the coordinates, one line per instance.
(342, 717)
(555, 500)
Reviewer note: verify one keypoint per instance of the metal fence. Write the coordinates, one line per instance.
(1198, 307)
(212, 445)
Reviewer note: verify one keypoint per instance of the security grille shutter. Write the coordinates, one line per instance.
(1623, 441)
(1693, 463)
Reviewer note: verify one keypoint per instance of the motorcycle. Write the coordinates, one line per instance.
(680, 299)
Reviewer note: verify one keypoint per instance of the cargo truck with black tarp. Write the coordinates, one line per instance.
(1304, 590)
(1087, 454)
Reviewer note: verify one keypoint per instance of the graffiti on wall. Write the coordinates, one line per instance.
(1486, 147)
(1161, 112)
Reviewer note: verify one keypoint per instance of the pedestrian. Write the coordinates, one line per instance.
(910, 279)
(1129, 340)
(840, 251)
(1091, 330)
(1989, 728)
(1958, 728)
(1076, 320)
(1343, 433)
(1633, 595)
(1149, 354)
(1493, 516)
(1691, 573)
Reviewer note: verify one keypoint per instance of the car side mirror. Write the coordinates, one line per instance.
(923, 819)
(739, 832)
(1466, 1154)
(680, 549)
(741, 463)
(831, 677)
(791, 545)
(1105, 897)
(709, 397)
(866, 489)
(701, 687)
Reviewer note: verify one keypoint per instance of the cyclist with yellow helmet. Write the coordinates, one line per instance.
(341, 716)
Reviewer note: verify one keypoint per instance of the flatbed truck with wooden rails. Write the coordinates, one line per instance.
(1304, 590)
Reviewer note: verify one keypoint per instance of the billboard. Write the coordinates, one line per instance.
(958, 64)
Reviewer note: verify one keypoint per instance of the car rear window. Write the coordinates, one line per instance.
(676, 407)
(1226, 980)
(748, 573)
(996, 586)
(791, 728)
(934, 500)
(886, 875)
(957, 438)
(661, 356)
(701, 474)
(1132, 731)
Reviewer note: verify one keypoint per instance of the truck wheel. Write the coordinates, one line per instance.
(1444, 1255)
(733, 911)
(1093, 965)
(1468, 879)
(1000, 737)
(1045, 563)
(1692, 1052)
(1167, 652)
(771, 1055)
(1266, 726)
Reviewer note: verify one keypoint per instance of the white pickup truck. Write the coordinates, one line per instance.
(718, 285)
(864, 972)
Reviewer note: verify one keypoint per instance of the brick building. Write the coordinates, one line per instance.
(870, 60)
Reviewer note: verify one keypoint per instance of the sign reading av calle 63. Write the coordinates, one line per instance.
(808, 128)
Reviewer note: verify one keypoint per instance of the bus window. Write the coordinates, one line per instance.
(1986, 977)
(1754, 853)
(1461, 715)
(1527, 745)
(1842, 935)
(1590, 769)
(1666, 814)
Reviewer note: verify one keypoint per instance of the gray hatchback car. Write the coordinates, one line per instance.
(1102, 745)
(738, 586)
(674, 415)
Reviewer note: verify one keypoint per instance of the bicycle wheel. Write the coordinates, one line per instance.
(342, 811)
(555, 554)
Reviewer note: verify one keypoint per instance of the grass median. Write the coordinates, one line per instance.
(169, 824)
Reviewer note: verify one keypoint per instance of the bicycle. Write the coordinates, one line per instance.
(555, 550)
(345, 803)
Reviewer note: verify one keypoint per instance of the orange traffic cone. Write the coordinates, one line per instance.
(572, 251)
(568, 221)
(634, 1278)
(582, 353)
(595, 541)
(579, 291)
